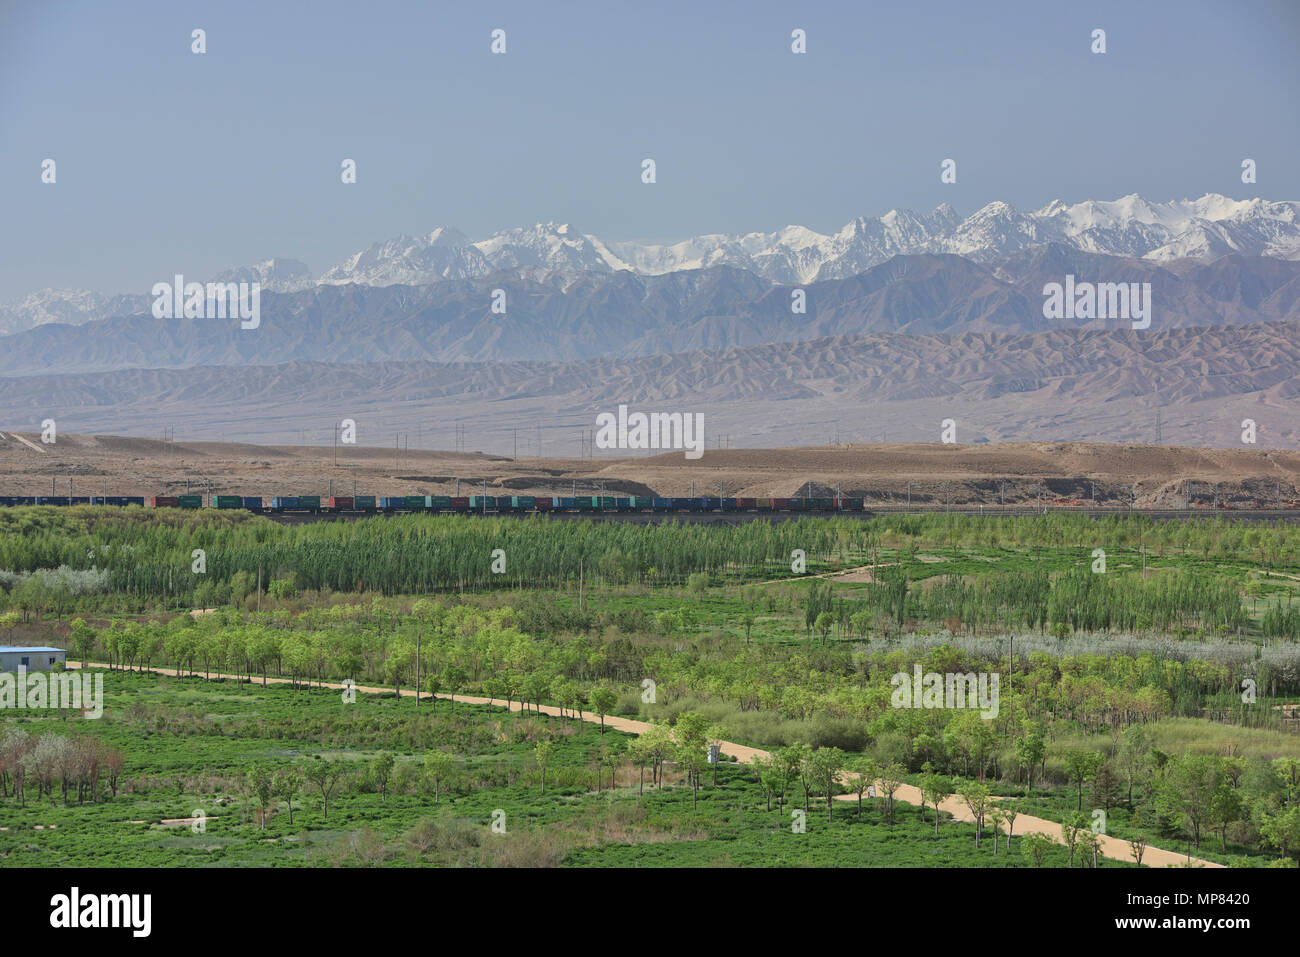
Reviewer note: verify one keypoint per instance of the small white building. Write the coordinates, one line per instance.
(32, 659)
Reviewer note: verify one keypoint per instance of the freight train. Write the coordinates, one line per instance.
(452, 505)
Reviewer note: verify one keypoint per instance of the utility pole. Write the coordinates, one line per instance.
(336, 443)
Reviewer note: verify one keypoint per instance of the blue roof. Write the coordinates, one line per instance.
(4, 649)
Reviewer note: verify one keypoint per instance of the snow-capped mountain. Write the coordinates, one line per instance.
(77, 306)
(274, 275)
(73, 306)
(560, 254)
(1205, 228)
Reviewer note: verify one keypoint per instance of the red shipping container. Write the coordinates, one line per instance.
(746, 503)
(544, 502)
(164, 501)
(780, 503)
(343, 502)
(460, 502)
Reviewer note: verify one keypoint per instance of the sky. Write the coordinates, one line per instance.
(172, 162)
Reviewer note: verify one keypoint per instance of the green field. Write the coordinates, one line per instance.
(1158, 689)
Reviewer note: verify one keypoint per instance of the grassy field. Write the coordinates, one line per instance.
(187, 743)
(1141, 668)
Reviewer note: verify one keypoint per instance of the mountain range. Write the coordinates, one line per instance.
(625, 315)
(906, 320)
(1130, 227)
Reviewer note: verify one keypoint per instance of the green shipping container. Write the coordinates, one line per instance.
(309, 501)
(229, 501)
(606, 501)
(417, 501)
(440, 501)
(523, 501)
(190, 501)
(482, 501)
(587, 502)
(364, 501)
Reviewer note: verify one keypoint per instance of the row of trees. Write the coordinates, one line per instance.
(75, 766)
(1077, 600)
(153, 555)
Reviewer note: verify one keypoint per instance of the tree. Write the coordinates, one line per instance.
(867, 770)
(113, 764)
(451, 679)
(977, 798)
(82, 637)
(1226, 808)
(603, 699)
(891, 779)
(543, 751)
(285, 786)
(381, 768)
(823, 625)
(433, 684)
(1072, 832)
(638, 750)
(747, 622)
(935, 788)
(1187, 788)
(764, 768)
(261, 784)
(1029, 751)
(1134, 755)
(996, 819)
(824, 767)
(1137, 846)
(691, 735)
(795, 760)
(1080, 765)
(1035, 847)
(1282, 830)
(1009, 814)
(325, 775)
(437, 768)
(400, 661)
(659, 744)
(1105, 787)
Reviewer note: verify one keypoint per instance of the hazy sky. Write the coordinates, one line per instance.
(171, 162)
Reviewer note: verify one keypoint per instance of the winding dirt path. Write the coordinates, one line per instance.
(1111, 847)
